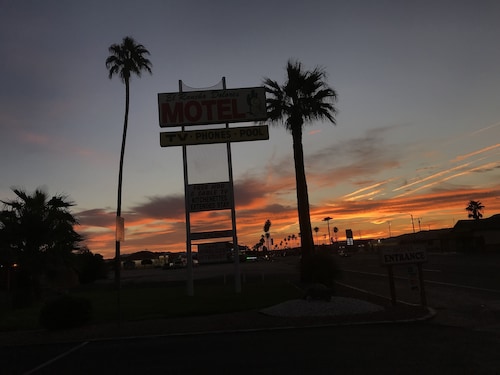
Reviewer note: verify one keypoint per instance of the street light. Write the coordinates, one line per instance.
(327, 219)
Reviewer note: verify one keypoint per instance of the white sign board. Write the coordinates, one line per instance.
(209, 196)
(198, 137)
(212, 106)
(397, 256)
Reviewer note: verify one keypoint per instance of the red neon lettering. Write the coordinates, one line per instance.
(195, 111)
(171, 116)
(235, 110)
(193, 117)
(208, 105)
(222, 109)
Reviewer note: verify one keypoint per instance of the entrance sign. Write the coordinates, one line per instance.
(209, 196)
(198, 137)
(392, 256)
(403, 256)
(212, 106)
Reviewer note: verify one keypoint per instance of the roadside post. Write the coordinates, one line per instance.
(404, 255)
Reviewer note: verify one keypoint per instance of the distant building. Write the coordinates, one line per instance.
(466, 236)
(144, 259)
(438, 240)
(477, 235)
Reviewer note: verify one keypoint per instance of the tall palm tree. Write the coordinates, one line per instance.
(474, 208)
(125, 59)
(302, 99)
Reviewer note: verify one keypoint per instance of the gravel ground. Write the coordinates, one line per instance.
(348, 306)
(315, 308)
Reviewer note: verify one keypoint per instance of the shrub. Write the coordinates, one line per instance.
(65, 312)
(319, 268)
(90, 267)
(318, 292)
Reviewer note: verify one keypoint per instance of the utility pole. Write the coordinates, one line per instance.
(327, 219)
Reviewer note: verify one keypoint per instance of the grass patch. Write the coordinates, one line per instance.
(161, 300)
(19, 319)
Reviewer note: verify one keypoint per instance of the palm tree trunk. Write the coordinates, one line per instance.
(120, 176)
(307, 242)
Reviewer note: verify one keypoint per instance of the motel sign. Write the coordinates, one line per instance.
(181, 109)
(212, 107)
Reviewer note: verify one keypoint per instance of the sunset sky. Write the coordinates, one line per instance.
(417, 134)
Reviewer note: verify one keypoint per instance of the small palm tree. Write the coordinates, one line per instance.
(124, 60)
(302, 99)
(37, 232)
(316, 230)
(474, 208)
(267, 226)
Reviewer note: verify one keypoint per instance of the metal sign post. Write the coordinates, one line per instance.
(236, 247)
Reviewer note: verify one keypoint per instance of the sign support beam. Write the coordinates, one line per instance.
(236, 247)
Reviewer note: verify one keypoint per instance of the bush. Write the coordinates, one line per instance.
(90, 267)
(65, 312)
(319, 268)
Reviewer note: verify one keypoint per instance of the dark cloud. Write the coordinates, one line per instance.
(96, 218)
(161, 207)
(249, 189)
(353, 159)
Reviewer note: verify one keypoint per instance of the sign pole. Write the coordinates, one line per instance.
(392, 286)
(189, 255)
(423, 297)
(236, 247)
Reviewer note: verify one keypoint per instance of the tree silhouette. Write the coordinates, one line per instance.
(336, 230)
(38, 234)
(267, 226)
(316, 230)
(302, 99)
(125, 59)
(475, 208)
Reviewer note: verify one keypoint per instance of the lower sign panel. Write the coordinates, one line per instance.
(210, 196)
(198, 137)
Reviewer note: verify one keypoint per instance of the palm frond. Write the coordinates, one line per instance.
(303, 98)
(128, 58)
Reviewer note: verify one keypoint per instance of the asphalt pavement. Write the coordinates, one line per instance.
(407, 342)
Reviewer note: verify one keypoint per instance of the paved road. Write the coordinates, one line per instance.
(462, 339)
(416, 348)
(464, 289)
